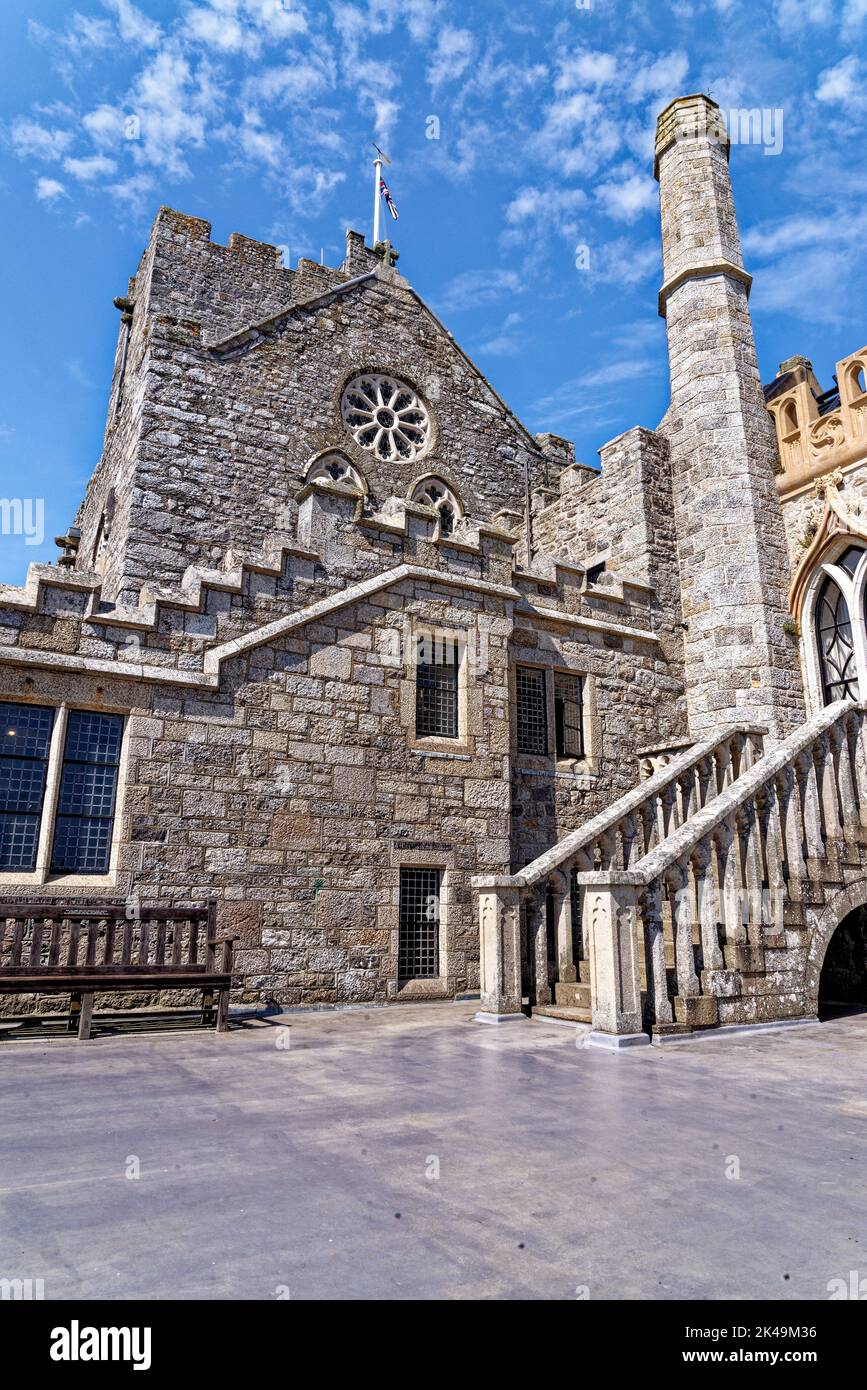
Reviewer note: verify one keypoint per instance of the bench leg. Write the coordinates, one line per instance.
(74, 1013)
(84, 1017)
(223, 1012)
(207, 1005)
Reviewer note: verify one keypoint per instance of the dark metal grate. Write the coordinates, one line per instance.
(418, 953)
(436, 688)
(569, 715)
(88, 785)
(531, 715)
(25, 739)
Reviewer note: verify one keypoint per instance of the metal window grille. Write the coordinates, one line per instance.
(88, 786)
(575, 903)
(419, 920)
(569, 715)
(25, 739)
(436, 687)
(531, 715)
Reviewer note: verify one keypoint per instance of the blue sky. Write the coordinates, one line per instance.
(258, 115)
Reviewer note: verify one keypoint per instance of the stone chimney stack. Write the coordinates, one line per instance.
(734, 569)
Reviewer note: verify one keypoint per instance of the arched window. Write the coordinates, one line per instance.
(433, 492)
(839, 624)
(334, 467)
(836, 647)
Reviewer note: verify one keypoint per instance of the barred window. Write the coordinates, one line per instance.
(419, 922)
(88, 786)
(568, 715)
(25, 739)
(531, 714)
(436, 687)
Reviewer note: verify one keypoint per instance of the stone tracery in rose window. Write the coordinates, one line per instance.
(386, 416)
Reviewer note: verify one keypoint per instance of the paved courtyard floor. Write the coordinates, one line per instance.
(412, 1153)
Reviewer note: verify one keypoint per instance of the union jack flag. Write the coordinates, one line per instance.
(383, 188)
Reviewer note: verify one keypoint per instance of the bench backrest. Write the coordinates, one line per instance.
(42, 937)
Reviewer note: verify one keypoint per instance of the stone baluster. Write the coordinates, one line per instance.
(732, 896)
(704, 869)
(654, 947)
(632, 848)
(680, 888)
(858, 724)
(846, 782)
(561, 893)
(811, 809)
(688, 795)
(723, 760)
(649, 824)
(825, 773)
(537, 941)
(705, 781)
(737, 755)
(774, 859)
(667, 810)
(750, 828)
(793, 822)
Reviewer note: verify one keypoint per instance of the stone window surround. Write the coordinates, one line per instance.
(854, 592)
(42, 875)
(548, 762)
(433, 987)
(464, 744)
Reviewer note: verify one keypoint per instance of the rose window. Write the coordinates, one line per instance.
(386, 416)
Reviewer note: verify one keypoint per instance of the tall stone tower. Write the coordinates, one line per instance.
(740, 663)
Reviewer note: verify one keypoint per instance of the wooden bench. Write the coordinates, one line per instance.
(87, 948)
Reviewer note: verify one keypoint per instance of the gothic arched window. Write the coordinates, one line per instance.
(433, 492)
(334, 467)
(839, 624)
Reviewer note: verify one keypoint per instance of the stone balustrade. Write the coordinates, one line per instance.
(513, 908)
(674, 926)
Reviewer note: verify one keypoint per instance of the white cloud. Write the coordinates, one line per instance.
(49, 190)
(30, 140)
(476, 287)
(134, 26)
(854, 14)
(506, 341)
(662, 79)
(93, 167)
(589, 68)
(104, 125)
(626, 197)
(798, 14)
(843, 85)
(452, 56)
(172, 105)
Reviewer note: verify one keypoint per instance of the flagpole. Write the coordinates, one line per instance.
(377, 176)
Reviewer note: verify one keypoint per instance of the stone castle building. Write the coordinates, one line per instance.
(424, 703)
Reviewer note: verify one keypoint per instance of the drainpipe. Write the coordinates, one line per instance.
(126, 307)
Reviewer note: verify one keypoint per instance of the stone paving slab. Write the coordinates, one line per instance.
(307, 1166)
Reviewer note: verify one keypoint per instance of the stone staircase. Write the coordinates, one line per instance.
(704, 898)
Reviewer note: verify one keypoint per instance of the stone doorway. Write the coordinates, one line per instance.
(843, 981)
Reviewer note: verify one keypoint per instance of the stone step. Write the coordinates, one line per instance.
(562, 1012)
(573, 996)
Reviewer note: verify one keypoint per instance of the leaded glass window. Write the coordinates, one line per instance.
(419, 924)
(568, 715)
(530, 713)
(436, 687)
(88, 788)
(836, 647)
(25, 739)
